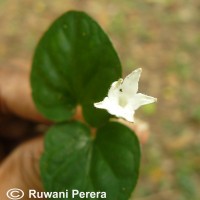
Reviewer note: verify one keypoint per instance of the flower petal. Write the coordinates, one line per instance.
(127, 115)
(115, 109)
(108, 105)
(114, 90)
(102, 104)
(141, 99)
(123, 99)
(130, 83)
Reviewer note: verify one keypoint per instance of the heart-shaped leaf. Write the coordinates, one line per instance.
(109, 163)
(74, 63)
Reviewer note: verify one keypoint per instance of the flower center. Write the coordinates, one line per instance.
(122, 101)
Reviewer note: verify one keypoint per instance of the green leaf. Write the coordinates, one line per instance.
(74, 63)
(109, 163)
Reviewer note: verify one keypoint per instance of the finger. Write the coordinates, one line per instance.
(13, 127)
(15, 94)
(21, 169)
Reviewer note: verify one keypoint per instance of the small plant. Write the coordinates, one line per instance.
(74, 65)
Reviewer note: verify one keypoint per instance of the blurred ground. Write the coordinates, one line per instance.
(162, 37)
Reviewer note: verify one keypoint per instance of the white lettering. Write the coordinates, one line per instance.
(103, 195)
(98, 194)
(47, 194)
(92, 195)
(82, 195)
(64, 195)
(74, 193)
(87, 195)
(32, 193)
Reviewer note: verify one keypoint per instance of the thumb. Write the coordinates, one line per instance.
(21, 169)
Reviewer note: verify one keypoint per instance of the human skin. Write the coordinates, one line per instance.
(15, 94)
(21, 168)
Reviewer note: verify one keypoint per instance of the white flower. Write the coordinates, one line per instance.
(123, 99)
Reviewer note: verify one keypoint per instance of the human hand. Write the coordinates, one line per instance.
(18, 120)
